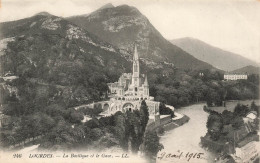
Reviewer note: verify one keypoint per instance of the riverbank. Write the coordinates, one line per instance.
(238, 136)
(231, 104)
(176, 123)
(186, 139)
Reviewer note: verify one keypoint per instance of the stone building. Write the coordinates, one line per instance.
(131, 86)
(229, 76)
(129, 91)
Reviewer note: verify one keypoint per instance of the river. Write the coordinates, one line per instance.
(185, 139)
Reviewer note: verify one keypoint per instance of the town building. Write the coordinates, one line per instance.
(230, 76)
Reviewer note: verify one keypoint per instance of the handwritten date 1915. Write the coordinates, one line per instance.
(180, 155)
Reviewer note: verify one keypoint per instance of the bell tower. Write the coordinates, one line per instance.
(136, 70)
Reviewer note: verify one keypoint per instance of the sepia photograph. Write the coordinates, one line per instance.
(129, 81)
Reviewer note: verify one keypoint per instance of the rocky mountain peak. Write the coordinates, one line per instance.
(44, 13)
(125, 25)
(109, 5)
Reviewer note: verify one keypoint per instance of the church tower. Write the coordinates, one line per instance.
(136, 71)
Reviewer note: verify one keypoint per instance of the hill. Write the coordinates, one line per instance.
(50, 50)
(215, 56)
(248, 70)
(123, 26)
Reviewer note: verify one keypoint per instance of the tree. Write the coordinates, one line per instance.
(95, 133)
(165, 110)
(76, 117)
(254, 107)
(47, 123)
(144, 115)
(241, 110)
(214, 125)
(93, 123)
(213, 98)
(227, 117)
(107, 121)
(135, 129)
(120, 130)
(93, 112)
(237, 121)
(151, 144)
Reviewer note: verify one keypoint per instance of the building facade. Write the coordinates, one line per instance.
(131, 86)
(129, 91)
(235, 76)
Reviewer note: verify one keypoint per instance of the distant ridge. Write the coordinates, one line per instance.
(248, 70)
(217, 57)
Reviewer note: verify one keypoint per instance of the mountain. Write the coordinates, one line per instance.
(52, 51)
(215, 56)
(57, 35)
(109, 5)
(248, 70)
(124, 26)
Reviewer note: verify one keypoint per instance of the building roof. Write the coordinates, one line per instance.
(230, 73)
(251, 115)
(254, 112)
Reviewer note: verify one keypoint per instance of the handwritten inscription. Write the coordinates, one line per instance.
(180, 155)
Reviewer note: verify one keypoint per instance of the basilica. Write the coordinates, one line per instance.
(131, 86)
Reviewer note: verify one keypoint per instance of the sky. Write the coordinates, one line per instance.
(232, 25)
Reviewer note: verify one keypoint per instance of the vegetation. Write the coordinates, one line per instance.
(230, 127)
(151, 144)
(92, 112)
(165, 110)
(63, 129)
(179, 88)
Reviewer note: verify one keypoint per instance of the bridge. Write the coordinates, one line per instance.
(113, 105)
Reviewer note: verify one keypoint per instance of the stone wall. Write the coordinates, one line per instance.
(165, 119)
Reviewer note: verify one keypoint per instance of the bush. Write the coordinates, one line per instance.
(76, 117)
(165, 110)
(95, 134)
(241, 110)
(160, 130)
(93, 123)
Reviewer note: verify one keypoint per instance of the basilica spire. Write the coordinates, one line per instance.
(136, 68)
(136, 57)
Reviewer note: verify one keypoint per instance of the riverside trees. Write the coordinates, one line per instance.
(118, 130)
(229, 127)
